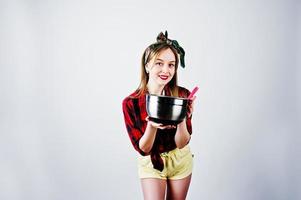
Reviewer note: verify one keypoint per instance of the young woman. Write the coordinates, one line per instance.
(165, 161)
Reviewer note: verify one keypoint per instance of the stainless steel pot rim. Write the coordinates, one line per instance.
(167, 100)
(170, 97)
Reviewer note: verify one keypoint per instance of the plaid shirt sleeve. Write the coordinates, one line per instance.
(130, 117)
(183, 92)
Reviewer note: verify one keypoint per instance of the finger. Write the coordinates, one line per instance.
(191, 101)
(171, 126)
(189, 115)
(191, 109)
(166, 127)
(155, 125)
(158, 124)
(161, 127)
(189, 112)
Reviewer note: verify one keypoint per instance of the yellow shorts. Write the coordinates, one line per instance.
(178, 164)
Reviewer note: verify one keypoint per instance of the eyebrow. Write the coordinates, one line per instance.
(163, 60)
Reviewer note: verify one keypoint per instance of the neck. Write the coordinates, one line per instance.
(155, 89)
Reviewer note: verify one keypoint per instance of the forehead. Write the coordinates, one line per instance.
(166, 55)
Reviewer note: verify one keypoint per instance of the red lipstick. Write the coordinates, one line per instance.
(163, 77)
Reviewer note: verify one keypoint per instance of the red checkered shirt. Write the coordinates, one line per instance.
(134, 110)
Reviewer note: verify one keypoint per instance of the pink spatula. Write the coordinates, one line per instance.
(193, 92)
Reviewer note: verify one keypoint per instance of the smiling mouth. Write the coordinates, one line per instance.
(163, 77)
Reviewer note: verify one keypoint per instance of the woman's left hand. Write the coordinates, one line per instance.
(159, 125)
(190, 106)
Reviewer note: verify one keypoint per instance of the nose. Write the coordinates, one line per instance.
(165, 68)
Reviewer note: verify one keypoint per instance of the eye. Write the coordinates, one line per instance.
(159, 63)
(171, 65)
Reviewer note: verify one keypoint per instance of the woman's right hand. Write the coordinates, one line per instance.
(159, 125)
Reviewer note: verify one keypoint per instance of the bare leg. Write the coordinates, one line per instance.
(153, 188)
(177, 189)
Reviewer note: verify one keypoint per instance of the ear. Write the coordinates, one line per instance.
(146, 68)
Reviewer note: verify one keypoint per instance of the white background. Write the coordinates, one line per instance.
(65, 67)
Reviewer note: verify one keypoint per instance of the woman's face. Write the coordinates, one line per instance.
(162, 68)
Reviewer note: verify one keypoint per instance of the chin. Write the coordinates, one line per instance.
(163, 83)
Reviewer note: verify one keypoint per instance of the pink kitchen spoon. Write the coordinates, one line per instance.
(193, 92)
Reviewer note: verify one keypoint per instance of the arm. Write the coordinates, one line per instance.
(182, 136)
(184, 129)
(147, 140)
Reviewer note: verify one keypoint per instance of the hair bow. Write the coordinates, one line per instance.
(164, 38)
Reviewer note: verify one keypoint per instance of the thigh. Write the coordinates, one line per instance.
(153, 188)
(177, 189)
(180, 164)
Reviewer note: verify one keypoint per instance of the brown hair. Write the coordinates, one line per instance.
(151, 52)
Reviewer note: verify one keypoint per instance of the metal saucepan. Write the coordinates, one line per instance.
(166, 109)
